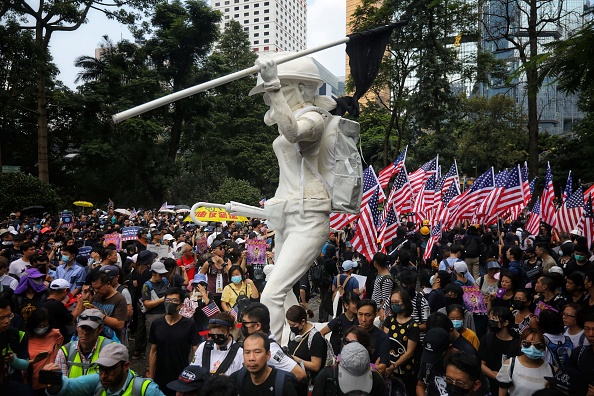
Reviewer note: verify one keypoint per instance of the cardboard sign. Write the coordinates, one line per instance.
(256, 251)
(202, 245)
(67, 218)
(161, 250)
(361, 279)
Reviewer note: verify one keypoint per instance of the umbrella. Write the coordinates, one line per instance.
(167, 211)
(180, 208)
(214, 214)
(123, 211)
(32, 209)
(182, 211)
(84, 204)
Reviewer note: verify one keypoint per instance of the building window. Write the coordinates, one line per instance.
(235, 8)
(255, 49)
(226, 3)
(246, 29)
(246, 14)
(266, 3)
(226, 16)
(256, 12)
(236, 16)
(256, 34)
(266, 33)
(256, 27)
(256, 41)
(245, 7)
(246, 21)
(266, 26)
(217, 4)
(266, 41)
(266, 48)
(256, 19)
(266, 11)
(266, 18)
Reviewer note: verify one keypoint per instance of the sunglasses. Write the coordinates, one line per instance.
(538, 345)
(90, 317)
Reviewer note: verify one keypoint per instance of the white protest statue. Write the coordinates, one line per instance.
(299, 211)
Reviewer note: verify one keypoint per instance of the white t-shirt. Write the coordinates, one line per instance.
(8, 281)
(554, 339)
(278, 359)
(216, 358)
(526, 380)
(575, 339)
(18, 267)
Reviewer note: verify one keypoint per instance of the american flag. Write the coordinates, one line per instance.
(340, 220)
(425, 199)
(386, 174)
(487, 207)
(444, 183)
(526, 186)
(547, 209)
(365, 240)
(586, 226)
(466, 204)
(388, 229)
(512, 194)
(569, 215)
(370, 186)
(435, 237)
(234, 312)
(419, 177)
(401, 194)
(533, 223)
(568, 188)
(443, 212)
(211, 309)
(531, 187)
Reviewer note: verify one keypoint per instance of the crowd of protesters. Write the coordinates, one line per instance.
(492, 311)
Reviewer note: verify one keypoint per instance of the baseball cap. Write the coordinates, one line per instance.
(354, 372)
(111, 270)
(190, 379)
(216, 243)
(460, 267)
(90, 317)
(159, 268)
(200, 278)
(59, 284)
(168, 237)
(493, 264)
(436, 341)
(145, 257)
(239, 241)
(111, 354)
(556, 270)
(569, 380)
(348, 265)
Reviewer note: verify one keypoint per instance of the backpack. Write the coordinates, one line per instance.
(242, 302)
(226, 363)
(150, 287)
(339, 163)
(319, 276)
(330, 356)
(279, 381)
(472, 247)
(560, 351)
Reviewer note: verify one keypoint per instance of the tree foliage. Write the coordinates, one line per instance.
(236, 190)
(18, 191)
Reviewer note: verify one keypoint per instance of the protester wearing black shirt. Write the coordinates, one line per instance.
(380, 342)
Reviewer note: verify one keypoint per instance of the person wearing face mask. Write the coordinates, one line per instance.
(580, 260)
(453, 295)
(523, 316)
(497, 345)
(172, 339)
(524, 374)
(239, 289)
(404, 335)
(221, 354)
(70, 271)
(44, 344)
(29, 293)
(456, 315)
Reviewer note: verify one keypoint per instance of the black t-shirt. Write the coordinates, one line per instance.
(10, 340)
(463, 345)
(339, 326)
(435, 299)
(325, 381)
(59, 317)
(140, 279)
(583, 361)
(494, 351)
(573, 266)
(267, 387)
(318, 348)
(174, 343)
(380, 346)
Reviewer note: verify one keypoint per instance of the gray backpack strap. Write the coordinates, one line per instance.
(138, 387)
(72, 354)
(279, 382)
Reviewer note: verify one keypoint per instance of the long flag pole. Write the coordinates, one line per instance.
(143, 108)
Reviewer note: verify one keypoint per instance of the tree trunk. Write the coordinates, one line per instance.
(176, 130)
(42, 158)
(387, 134)
(532, 84)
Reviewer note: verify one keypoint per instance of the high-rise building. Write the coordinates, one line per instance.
(273, 25)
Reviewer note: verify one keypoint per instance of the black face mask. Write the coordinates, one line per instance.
(494, 326)
(520, 305)
(219, 339)
(454, 390)
(245, 331)
(295, 330)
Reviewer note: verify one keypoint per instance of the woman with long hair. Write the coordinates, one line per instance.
(524, 374)
(306, 345)
(404, 336)
(523, 317)
(238, 288)
(503, 297)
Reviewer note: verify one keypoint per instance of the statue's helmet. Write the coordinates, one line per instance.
(300, 69)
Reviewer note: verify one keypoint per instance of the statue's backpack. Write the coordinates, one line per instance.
(339, 162)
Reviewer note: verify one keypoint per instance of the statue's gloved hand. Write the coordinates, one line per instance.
(269, 74)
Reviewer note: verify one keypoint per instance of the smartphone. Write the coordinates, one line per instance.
(42, 355)
(50, 377)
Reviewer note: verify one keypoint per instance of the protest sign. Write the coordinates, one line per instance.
(256, 251)
(361, 279)
(202, 245)
(112, 238)
(84, 251)
(473, 299)
(162, 251)
(129, 233)
(67, 218)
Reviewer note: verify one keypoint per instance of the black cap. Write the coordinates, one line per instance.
(436, 342)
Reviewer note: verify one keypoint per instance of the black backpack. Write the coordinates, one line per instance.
(472, 248)
(319, 276)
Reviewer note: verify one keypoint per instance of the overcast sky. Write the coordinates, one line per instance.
(325, 22)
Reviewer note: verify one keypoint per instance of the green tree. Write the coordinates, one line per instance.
(18, 190)
(44, 18)
(236, 190)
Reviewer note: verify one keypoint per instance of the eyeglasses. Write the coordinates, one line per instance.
(96, 289)
(566, 315)
(538, 345)
(460, 384)
(172, 300)
(6, 317)
(108, 370)
(245, 324)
